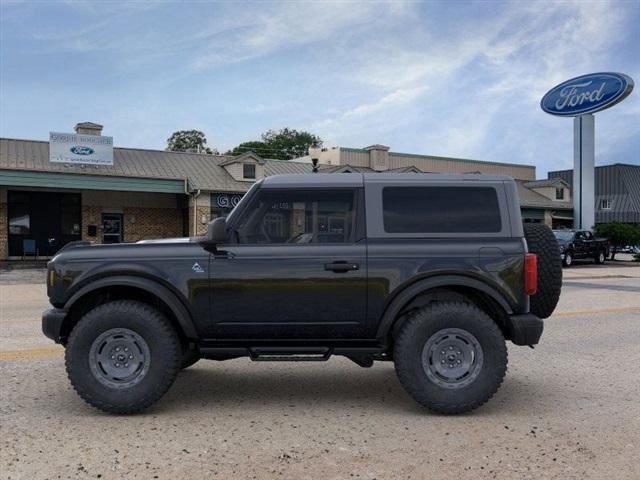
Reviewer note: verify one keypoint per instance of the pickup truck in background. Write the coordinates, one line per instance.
(581, 244)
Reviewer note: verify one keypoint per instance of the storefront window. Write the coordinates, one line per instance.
(19, 223)
(223, 203)
(19, 218)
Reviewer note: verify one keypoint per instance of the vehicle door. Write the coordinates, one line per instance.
(580, 246)
(589, 244)
(295, 267)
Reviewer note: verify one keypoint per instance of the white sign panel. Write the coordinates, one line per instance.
(75, 148)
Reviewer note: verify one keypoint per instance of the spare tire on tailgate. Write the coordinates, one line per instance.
(542, 242)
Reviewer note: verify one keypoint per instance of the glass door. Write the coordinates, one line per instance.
(111, 228)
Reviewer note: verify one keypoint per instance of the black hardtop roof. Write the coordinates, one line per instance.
(358, 179)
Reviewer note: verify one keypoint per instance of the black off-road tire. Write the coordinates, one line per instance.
(567, 261)
(190, 356)
(600, 257)
(413, 340)
(145, 325)
(543, 243)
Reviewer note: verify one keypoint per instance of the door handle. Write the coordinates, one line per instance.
(341, 266)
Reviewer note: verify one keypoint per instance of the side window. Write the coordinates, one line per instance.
(299, 217)
(248, 170)
(441, 210)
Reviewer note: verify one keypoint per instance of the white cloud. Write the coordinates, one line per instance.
(484, 80)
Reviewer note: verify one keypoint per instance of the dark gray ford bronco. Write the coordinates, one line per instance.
(433, 272)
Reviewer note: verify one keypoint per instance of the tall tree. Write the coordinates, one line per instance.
(257, 147)
(619, 235)
(290, 143)
(283, 144)
(188, 141)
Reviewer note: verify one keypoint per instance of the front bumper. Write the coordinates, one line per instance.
(525, 329)
(52, 321)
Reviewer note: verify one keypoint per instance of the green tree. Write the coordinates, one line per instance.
(283, 144)
(188, 141)
(256, 147)
(619, 235)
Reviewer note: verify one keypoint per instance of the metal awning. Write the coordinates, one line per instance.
(561, 216)
(30, 178)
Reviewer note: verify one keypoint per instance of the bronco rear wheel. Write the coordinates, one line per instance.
(542, 242)
(122, 356)
(450, 357)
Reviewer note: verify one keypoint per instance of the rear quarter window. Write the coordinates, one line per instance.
(441, 210)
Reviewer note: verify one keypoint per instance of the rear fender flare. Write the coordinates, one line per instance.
(163, 293)
(408, 293)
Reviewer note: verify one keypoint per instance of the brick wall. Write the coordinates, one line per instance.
(91, 216)
(139, 223)
(201, 228)
(151, 223)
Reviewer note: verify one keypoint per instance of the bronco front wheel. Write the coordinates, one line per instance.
(450, 357)
(122, 356)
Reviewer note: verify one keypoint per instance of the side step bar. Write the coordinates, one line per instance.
(294, 354)
(363, 356)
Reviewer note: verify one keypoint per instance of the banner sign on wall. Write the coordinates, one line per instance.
(80, 149)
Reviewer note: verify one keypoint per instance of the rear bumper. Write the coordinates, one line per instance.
(525, 329)
(52, 321)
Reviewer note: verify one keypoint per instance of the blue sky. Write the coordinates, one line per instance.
(442, 78)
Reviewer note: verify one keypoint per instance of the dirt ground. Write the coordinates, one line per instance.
(568, 409)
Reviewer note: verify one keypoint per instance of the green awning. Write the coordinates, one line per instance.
(532, 213)
(29, 178)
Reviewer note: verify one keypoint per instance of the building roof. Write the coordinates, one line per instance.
(547, 182)
(619, 184)
(435, 157)
(532, 199)
(89, 125)
(202, 171)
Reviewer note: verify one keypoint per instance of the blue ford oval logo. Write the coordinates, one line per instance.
(80, 150)
(587, 94)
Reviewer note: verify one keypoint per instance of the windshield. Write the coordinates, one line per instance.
(563, 234)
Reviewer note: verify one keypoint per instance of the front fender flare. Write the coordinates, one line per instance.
(178, 309)
(404, 297)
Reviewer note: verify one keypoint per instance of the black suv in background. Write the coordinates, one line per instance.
(433, 272)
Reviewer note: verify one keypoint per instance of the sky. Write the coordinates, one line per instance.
(450, 78)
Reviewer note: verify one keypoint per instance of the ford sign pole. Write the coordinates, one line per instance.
(584, 163)
(580, 97)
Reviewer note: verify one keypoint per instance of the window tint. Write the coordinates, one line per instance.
(441, 210)
(299, 217)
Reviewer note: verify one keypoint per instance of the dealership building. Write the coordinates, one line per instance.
(49, 197)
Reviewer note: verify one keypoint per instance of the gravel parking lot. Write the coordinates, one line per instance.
(568, 409)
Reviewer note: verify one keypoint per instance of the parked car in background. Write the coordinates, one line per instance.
(630, 249)
(581, 244)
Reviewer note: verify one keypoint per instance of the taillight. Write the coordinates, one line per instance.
(530, 273)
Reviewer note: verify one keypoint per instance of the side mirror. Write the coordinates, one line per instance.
(217, 231)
